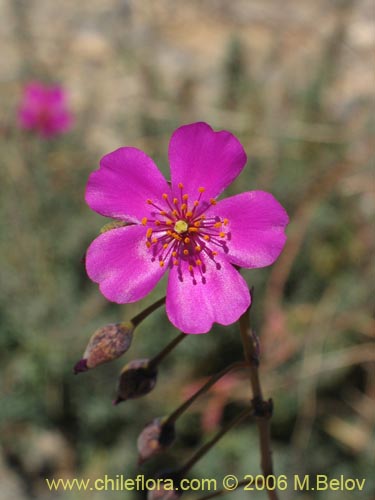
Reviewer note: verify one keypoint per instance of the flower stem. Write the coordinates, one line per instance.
(220, 493)
(181, 409)
(167, 349)
(146, 312)
(205, 448)
(262, 409)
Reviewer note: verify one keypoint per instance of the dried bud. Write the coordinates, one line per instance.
(164, 494)
(156, 437)
(106, 344)
(168, 489)
(137, 379)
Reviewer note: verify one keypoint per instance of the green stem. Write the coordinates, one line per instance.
(146, 312)
(167, 349)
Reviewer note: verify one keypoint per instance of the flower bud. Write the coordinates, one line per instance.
(137, 379)
(163, 494)
(106, 344)
(168, 489)
(156, 437)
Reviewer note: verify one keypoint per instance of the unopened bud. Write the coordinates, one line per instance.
(156, 437)
(137, 379)
(169, 487)
(164, 493)
(106, 344)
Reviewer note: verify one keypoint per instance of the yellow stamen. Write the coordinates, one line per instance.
(165, 196)
(175, 262)
(186, 252)
(148, 244)
(212, 201)
(165, 246)
(161, 263)
(168, 222)
(180, 185)
(174, 254)
(197, 223)
(175, 213)
(196, 203)
(206, 237)
(217, 224)
(175, 201)
(189, 214)
(187, 240)
(144, 221)
(222, 235)
(193, 229)
(190, 268)
(198, 248)
(214, 253)
(149, 202)
(199, 262)
(183, 206)
(149, 232)
(185, 197)
(226, 221)
(201, 189)
(157, 222)
(154, 240)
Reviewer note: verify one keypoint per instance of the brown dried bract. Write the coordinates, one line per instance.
(106, 344)
(137, 379)
(156, 437)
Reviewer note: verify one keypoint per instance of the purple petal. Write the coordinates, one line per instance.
(56, 95)
(44, 109)
(127, 178)
(121, 263)
(221, 296)
(34, 92)
(256, 228)
(200, 157)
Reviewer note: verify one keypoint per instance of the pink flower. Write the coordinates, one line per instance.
(44, 109)
(181, 229)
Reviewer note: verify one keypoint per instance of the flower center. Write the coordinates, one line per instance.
(181, 233)
(181, 226)
(44, 115)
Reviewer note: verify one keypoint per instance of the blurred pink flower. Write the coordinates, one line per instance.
(44, 109)
(182, 229)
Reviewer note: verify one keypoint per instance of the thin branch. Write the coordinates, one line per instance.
(205, 448)
(167, 349)
(181, 409)
(146, 312)
(262, 409)
(221, 493)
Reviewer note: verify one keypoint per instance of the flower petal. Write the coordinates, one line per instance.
(200, 157)
(122, 264)
(192, 306)
(127, 178)
(256, 228)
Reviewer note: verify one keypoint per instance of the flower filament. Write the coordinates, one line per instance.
(183, 233)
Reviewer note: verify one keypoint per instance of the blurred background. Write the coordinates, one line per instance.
(294, 81)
